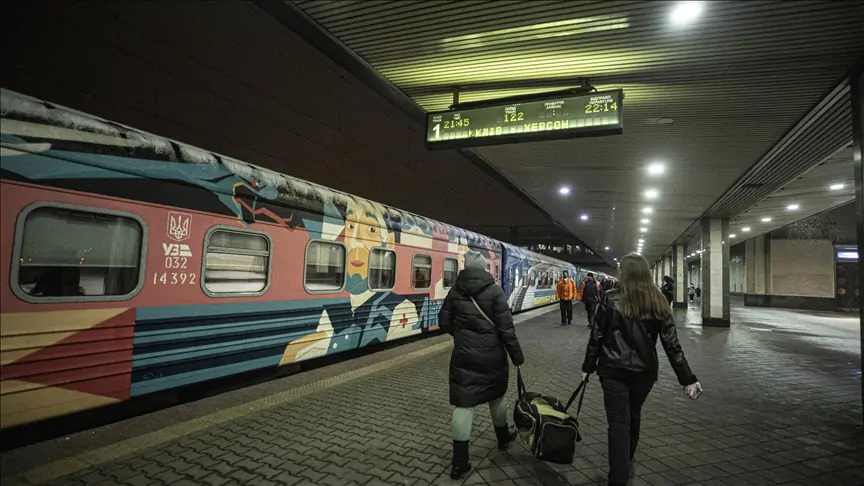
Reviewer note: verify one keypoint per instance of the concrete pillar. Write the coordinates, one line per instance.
(679, 272)
(757, 265)
(856, 85)
(715, 272)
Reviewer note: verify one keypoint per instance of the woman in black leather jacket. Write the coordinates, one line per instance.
(623, 352)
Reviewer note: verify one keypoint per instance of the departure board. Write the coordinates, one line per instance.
(563, 116)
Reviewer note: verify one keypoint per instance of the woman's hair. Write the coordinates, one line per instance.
(641, 298)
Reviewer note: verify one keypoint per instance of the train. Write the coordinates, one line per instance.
(135, 264)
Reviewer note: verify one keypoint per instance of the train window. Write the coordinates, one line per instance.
(497, 272)
(451, 271)
(382, 269)
(235, 262)
(325, 266)
(70, 254)
(421, 269)
(488, 267)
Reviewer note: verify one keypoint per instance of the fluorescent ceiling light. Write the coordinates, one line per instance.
(643, 229)
(564, 190)
(766, 219)
(607, 248)
(584, 217)
(641, 240)
(837, 187)
(745, 229)
(647, 210)
(646, 221)
(686, 12)
(546, 30)
(652, 193)
(732, 235)
(792, 207)
(656, 168)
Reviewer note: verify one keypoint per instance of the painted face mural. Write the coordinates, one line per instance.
(462, 250)
(364, 230)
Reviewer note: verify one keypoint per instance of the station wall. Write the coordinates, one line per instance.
(802, 268)
(794, 266)
(228, 77)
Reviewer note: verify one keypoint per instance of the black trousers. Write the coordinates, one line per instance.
(623, 401)
(590, 307)
(566, 311)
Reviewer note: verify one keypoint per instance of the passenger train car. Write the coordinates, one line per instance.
(133, 264)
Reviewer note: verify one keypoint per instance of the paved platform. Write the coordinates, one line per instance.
(782, 405)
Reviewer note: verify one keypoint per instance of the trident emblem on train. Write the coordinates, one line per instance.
(179, 226)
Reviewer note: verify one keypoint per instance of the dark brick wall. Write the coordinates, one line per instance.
(229, 78)
(837, 225)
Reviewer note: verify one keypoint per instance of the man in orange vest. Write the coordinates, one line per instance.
(565, 292)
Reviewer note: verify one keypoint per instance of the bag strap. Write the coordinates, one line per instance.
(520, 384)
(481, 311)
(580, 388)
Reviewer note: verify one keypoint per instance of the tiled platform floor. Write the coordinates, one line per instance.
(782, 405)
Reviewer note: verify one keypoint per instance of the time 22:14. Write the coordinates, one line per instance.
(600, 107)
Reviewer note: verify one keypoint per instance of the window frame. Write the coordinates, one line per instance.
(344, 266)
(17, 246)
(234, 229)
(431, 266)
(456, 260)
(369, 263)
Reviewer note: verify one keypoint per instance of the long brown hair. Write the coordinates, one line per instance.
(641, 298)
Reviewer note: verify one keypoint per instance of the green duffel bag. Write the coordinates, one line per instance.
(545, 427)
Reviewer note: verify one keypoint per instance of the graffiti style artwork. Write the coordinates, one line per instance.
(194, 266)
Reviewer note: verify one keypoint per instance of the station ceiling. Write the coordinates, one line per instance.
(737, 104)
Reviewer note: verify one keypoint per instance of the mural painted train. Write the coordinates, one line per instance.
(134, 264)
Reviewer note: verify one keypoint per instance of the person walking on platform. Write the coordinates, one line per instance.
(622, 350)
(565, 292)
(668, 289)
(476, 314)
(590, 292)
(605, 285)
(691, 292)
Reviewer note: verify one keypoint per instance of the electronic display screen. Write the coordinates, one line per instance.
(563, 116)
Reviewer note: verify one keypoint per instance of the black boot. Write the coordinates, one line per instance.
(460, 459)
(505, 435)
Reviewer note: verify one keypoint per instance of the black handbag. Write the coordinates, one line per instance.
(545, 427)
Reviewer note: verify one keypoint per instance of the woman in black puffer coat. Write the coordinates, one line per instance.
(476, 314)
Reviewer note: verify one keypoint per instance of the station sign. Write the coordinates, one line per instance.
(564, 115)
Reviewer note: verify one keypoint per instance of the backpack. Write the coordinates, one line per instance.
(592, 289)
(544, 425)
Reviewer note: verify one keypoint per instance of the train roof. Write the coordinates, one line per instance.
(39, 121)
(30, 123)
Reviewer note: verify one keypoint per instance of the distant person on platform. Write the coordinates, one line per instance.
(605, 286)
(691, 292)
(590, 296)
(565, 292)
(476, 314)
(668, 289)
